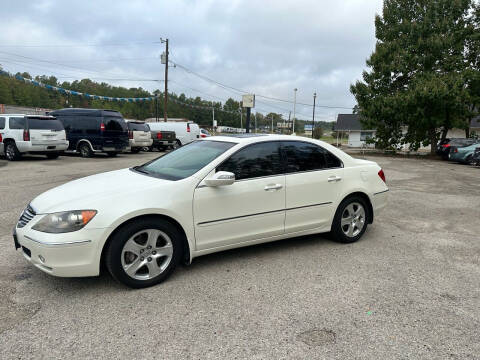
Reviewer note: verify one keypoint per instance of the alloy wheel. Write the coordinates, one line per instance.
(353, 219)
(10, 152)
(147, 254)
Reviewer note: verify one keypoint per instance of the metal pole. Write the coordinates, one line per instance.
(313, 119)
(272, 123)
(255, 124)
(213, 118)
(166, 81)
(294, 106)
(241, 118)
(247, 124)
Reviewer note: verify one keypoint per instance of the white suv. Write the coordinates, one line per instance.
(34, 134)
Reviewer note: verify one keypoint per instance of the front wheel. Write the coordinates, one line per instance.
(144, 253)
(177, 144)
(350, 221)
(85, 150)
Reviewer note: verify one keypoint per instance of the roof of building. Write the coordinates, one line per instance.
(349, 122)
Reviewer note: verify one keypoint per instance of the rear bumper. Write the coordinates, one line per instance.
(136, 143)
(163, 142)
(379, 201)
(28, 147)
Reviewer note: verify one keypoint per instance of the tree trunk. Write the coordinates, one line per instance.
(467, 130)
(433, 142)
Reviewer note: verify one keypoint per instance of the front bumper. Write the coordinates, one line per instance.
(457, 156)
(74, 254)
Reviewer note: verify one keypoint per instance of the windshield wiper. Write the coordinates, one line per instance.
(137, 168)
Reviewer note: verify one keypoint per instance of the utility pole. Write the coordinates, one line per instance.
(255, 124)
(272, 122)
(241, 118)
(294, 106)
(313, 120)
(166, 79)
(289, 116)
(213, 117)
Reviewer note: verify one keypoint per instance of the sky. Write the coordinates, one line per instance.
(263, 47)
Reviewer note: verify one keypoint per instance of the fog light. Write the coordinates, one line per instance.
(42, 259)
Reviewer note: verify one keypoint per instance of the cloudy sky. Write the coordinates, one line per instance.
(259, 46)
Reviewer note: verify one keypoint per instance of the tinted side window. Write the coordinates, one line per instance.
(262, 159)
(2, 123)
(16, 123)
(332, 160)
(302, 156)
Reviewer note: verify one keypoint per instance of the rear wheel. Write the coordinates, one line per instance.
(350, 221)
(53, 155)
(11, 151)
(135, 150)
(112, 154)
(177, 144)
(85, 150)
(161, 148)
(144, 253)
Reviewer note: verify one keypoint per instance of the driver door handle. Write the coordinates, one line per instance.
(273, 187)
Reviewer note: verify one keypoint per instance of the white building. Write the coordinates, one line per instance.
(357, 136)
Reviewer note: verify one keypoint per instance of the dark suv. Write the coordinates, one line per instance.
(444, 146)
(90, 130)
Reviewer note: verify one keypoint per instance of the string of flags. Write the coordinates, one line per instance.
(71, 92)
(106, 98)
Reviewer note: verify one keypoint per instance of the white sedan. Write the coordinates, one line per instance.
(211, 195)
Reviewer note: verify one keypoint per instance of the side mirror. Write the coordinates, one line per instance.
(221, 178)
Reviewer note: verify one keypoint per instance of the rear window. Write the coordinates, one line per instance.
(114, 124)
(137, 126)
(45, 124)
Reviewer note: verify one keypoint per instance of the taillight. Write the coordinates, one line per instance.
(26, 135)
(1, 138)
(102, 127)
(130, 134)
(446, 145)
(188, 127)
(455, 150)
(382, 175)
(159, 135)
(203, 135)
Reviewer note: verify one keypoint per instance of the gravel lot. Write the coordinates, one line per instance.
(409, 289)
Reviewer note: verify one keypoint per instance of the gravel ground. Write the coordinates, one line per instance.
(409, 289)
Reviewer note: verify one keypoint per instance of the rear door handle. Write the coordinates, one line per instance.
(273, 187)
(334, 178)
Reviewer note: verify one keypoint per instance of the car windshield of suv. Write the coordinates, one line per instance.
(45, 124)
(185, 161)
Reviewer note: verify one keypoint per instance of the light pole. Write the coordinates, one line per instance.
(294, 106)
(241, 118)
(313, 119)
(165, 101)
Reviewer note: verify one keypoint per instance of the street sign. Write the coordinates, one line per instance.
(248, 101)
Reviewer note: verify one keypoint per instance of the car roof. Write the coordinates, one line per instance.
(254, 138)
(28, 115)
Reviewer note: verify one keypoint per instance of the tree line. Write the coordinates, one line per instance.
(424, 75)
(15, 92)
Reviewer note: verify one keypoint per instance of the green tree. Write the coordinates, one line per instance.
(417, 87)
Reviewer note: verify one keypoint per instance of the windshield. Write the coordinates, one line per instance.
(45, 124)
(186, 160)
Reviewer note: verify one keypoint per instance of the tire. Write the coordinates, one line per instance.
(53, 155)
(85, 150)
(177, 144)
(128, 249)
(135, 150)
(11, 151)
(344, 227)
(112, 154)
(161, 148)
(150, 148)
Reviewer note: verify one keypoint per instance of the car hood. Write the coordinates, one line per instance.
(91, 190)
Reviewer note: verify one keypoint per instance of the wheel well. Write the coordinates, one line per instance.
(186, 246)
(6, 141)
(367, 200)
(80, 142)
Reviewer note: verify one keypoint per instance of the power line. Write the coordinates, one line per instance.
(240, 91)
(80, 45)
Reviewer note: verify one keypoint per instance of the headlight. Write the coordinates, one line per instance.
(63, 222)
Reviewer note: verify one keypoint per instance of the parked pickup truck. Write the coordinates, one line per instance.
(162, 139)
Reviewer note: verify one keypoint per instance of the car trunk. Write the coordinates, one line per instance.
(45, 131)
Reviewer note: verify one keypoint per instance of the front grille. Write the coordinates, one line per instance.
(26, 216)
